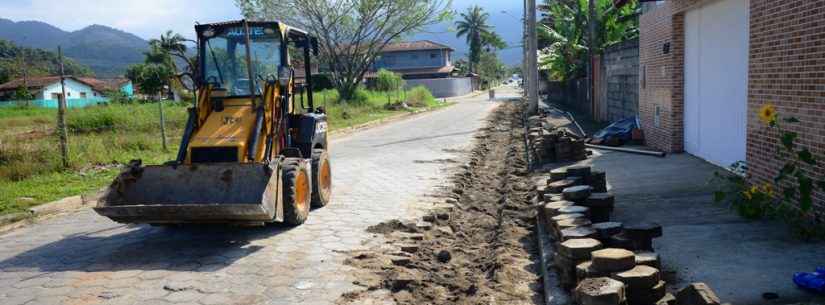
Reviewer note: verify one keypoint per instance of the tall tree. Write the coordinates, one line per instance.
(351, 33)
(473, 26)
(171, 49)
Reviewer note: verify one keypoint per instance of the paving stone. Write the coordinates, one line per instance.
(613, 260)
(643, 230)
(585, 270)
(567, 216)
(600, 291)
(639, 278)
(606, 230)
(559, 186)
(579, 171)
(557, 175)
(553, 197)
(647, 295)
(579, 248)
(648, 259)
(577, 193)
(574, 209)
(621, 242)
(598, 180)
(697, 294)
(552, 209)
(571, 223)
(600, 200)
(668, 299)
(577, 232)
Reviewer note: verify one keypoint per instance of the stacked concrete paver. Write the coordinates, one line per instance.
(603, 262)
(550, 143)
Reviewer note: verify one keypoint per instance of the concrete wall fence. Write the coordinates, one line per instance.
(444, 87)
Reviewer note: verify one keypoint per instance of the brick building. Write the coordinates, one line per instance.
(707, 66)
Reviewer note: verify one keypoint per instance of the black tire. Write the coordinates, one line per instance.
(296, 192)
(321, 178)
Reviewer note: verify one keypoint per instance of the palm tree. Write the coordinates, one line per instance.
(474, 27)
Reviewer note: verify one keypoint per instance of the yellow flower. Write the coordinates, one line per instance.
(767, 188)
(767, 114)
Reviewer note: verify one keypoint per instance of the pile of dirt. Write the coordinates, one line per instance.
(478, 249)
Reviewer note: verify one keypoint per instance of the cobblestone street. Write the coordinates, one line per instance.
(386, 172)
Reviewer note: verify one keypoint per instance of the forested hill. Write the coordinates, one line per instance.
(18, 61)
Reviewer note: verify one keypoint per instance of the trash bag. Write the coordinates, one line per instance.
(812, 281)
(617, 133)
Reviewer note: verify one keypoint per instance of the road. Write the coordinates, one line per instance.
(383, 173)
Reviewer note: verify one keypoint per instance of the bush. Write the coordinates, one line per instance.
(388, 81)
(420, 96)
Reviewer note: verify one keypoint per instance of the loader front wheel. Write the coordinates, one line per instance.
(296, 192)
(321, 178)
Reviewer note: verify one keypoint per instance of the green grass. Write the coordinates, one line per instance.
(103, 137)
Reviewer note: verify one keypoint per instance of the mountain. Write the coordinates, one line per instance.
(105, 50)
(19, 61)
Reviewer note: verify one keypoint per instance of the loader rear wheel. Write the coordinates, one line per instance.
(321, 178)
(296, 192)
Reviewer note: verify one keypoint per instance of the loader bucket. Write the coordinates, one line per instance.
(202, 193)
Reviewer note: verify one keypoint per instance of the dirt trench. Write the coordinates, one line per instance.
(478, 248)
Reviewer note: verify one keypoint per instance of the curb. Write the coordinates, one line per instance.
(553, 294)
(69, 204)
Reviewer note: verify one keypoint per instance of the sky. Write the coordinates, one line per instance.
(149, 18)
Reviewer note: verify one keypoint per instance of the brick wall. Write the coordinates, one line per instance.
(787, 69)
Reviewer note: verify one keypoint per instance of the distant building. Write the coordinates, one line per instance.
(80, 91)
(416, 59)
(423, 63)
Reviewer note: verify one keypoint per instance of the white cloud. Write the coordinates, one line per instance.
(145, 18)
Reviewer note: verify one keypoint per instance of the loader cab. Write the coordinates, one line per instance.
(245, 110)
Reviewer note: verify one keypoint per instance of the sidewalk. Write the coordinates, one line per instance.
(705, 242)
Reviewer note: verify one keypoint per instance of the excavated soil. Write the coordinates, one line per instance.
(477, 248)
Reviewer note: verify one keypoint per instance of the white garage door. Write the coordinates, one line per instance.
(716, 81)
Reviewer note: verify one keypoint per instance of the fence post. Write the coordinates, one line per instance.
(61, 113)
(162, 124)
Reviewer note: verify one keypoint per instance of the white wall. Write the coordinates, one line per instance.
(73, 90)
(444, 87)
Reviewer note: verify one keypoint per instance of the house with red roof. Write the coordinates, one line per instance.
(80, 91)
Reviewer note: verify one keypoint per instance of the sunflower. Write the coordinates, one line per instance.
(767, 114)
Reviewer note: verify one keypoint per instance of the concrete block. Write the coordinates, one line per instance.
(639, 278)
(552, 209)
(668, 299)
(585, 270)
(569, 223)
(598, 180)
(621, 242)
(577, 193)
(559, 186)
(648, 259)
(574, 209)
(600, 291)
(550, 197)
(613, 260)
(577, 232)
(579, 171)
(600, 200)
(567, 216)
(647, 296)
(646, 230)
(557, 175)
(579, 248)
(606, 230)
(697, 294)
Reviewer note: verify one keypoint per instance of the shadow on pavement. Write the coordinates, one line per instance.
(142, 247)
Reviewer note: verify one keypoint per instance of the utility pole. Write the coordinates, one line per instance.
(61, 113)
(532, 60)
(591, 25)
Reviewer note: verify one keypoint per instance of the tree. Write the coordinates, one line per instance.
(473, 25)
(490, 69)
(149, 77)
(169, 50)
(351, 33)
(388, 81)
(565, 41)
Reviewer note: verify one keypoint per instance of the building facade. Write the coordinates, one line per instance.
(416, 59)
(708, 66)
(80, 91)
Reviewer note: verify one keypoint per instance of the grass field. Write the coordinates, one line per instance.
(103, 137)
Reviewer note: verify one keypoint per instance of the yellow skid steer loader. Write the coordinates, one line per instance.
(254, 150)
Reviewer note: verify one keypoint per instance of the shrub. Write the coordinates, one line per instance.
(92, 121)
(420, 96)
(388, 81)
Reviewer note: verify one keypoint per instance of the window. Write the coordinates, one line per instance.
(55, 96)
(226, 65)
(433, 55)
(82, 94)
(69, 94)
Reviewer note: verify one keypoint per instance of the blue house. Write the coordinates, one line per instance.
(422, 59)
(80, 91)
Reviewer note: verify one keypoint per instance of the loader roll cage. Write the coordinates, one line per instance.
(240, 56)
